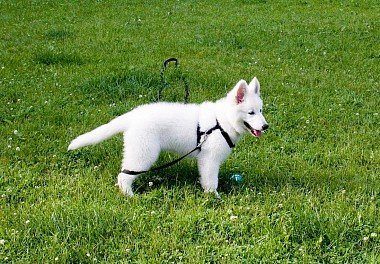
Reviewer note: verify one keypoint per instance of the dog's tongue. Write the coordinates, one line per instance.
(256, 133)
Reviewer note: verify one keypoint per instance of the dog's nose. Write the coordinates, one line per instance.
(265, 127)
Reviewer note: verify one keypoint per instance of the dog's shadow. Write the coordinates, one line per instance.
(184, 174)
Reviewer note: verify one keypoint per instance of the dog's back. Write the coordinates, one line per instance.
(172, 124)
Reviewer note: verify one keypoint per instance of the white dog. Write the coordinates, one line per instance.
(148, 129)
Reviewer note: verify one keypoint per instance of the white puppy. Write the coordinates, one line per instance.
(150, 128)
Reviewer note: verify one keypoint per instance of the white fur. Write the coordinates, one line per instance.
(148, 129)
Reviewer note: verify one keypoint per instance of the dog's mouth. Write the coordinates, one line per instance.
(254, 132)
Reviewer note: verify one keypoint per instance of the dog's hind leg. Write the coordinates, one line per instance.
(139, 155)
(124, 181)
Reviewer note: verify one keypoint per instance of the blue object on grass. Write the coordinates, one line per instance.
(236, 178)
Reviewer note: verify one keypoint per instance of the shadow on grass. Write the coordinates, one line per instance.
(185, 174)
(133, 84)
(50, 57)
(58, 58)
(58, 34)
(116, 87)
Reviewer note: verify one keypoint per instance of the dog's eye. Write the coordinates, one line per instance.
(251, 113)
(261, 110)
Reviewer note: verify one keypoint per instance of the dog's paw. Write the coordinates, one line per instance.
(217, 195)
(124, 182)
(215, 192)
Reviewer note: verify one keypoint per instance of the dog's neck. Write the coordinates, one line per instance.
(226, 119)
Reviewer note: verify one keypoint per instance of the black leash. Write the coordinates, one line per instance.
(165, 84)
(165, 165)
(198, 147)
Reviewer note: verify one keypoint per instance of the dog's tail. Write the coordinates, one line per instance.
(115, 126)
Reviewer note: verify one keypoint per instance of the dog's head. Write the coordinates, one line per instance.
(248, 108)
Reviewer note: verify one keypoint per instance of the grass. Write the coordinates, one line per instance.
(311, 185)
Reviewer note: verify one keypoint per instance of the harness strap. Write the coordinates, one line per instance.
(198, 147)
(208, 132)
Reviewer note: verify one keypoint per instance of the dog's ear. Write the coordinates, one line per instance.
(255, 86)
(240, 91)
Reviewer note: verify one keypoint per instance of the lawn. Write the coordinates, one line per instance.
(311, 187)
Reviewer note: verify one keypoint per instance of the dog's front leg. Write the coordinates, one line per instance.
(209, 170)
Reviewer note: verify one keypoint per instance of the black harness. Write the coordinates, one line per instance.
(208, 132)
(198, 147)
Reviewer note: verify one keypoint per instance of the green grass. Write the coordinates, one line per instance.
(311, 184)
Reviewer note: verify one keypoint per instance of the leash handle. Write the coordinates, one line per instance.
(164, 83)
(170, 60)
